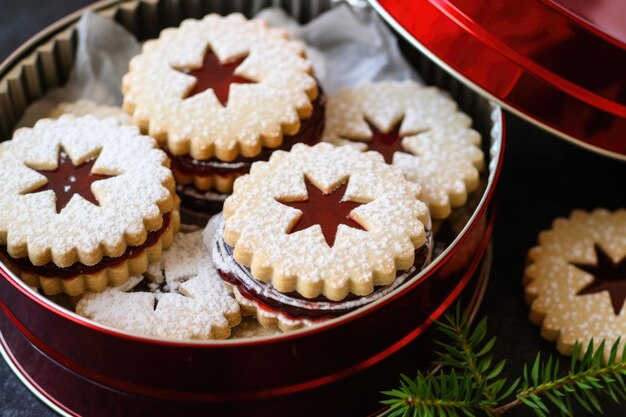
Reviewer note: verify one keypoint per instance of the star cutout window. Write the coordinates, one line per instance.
(607, 276)
(216, 76)
(327, 210)
(68, 179)
(387, 144)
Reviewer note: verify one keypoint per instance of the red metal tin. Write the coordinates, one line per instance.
(557, 63)
(75, 392)
(83, 368)
(86, 369)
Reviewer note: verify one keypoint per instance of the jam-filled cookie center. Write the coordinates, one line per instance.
(386, 143)
(326, 209)
(68, 179)
(607, 276)
(216, 76)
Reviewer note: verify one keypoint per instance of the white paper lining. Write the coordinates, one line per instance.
(346, 46)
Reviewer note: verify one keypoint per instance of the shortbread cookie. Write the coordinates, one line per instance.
(220, 86)
(418, 129)
(269, 318)
(576, 279)
(184, 297)
(90, 108)
(325, 221)
(83, 203)
(289, 312)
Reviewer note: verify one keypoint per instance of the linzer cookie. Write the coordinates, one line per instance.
(90, 108)
(84, 203)
(416, 128)
(576, 279)
(291, 311)
(180, 297)
(319, 232)
(220, 93)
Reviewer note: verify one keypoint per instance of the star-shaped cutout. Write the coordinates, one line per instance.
(387, 144)
(68, 179)
(216, 76)
(607, 276)
(327, 210)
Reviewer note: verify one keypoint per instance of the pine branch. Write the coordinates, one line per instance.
(468, 385)
(587, 378)
(442, 394)
(468, 351)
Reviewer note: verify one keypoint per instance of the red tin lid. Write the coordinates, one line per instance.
(560, 64)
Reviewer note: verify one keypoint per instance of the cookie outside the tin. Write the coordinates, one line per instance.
(575, 282)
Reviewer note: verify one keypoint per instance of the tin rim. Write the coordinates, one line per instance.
(29, 383)
(580, 20)
(473, 307)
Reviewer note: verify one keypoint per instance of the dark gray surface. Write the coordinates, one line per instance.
(543, 178)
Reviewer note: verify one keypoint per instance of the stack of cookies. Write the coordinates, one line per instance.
(85, 203)
(319, 232)
(218, 94)
(226, 111)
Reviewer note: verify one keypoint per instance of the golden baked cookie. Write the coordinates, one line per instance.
(576, 279)
(83, 203)
(183, 297)
(418, 129)
(220, 87)
(325, 221)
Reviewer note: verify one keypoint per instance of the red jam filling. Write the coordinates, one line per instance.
(327, 210)
(607, 276)
(310, 132)
(68, 179)
(216, 76)
(387, 144)
(292, 304)
(53, 271)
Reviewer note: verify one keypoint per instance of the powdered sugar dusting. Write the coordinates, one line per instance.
(552, 282)
(130, 203)
(193, 304)
(256, 223)
(155, 89)
(268, 317)
(443, 153)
